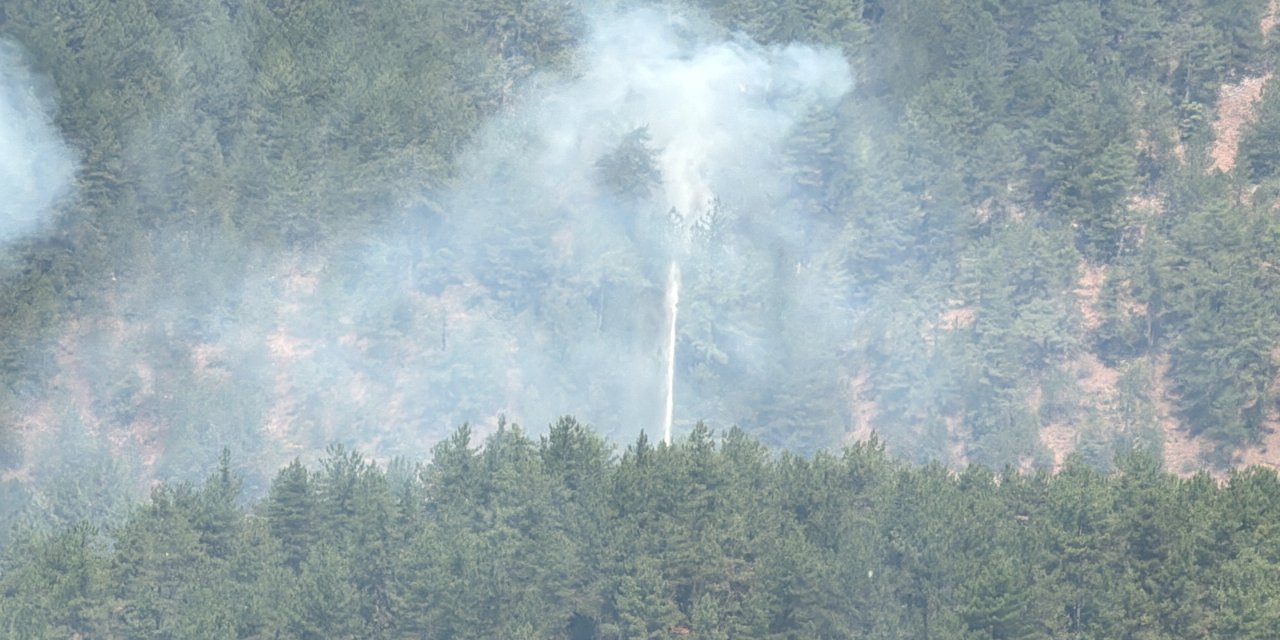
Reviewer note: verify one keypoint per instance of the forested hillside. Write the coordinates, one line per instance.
(560, 538)
(991, 232)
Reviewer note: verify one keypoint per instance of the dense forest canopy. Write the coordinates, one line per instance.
(990, 232)
(706, 539)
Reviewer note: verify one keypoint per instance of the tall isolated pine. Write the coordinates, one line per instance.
(293, 513)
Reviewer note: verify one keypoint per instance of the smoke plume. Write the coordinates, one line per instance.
(668, 144)
(35, 164)
(532, 285)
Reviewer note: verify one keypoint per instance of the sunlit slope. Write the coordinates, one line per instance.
(988, 235)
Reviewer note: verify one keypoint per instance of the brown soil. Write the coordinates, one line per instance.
(957, 443)
(1096, 380)
(1269, 21)
(1235, 110)
(1060, 439)
(300, 280)
(285, 348)
(959, 318)
(280, 417)
(71, 377)
(1183, 453)
(283, 412)
(1097, 383)
(1266, 453)
(147, 434)
(1088, 288)
(863, 410)
(1147, 204)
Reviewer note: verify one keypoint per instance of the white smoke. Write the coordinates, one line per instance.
(716, 105)
(36, 167)
(527, 287)
(718, 109)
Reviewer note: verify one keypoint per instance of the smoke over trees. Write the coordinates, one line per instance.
(36, 166)
(960, 225)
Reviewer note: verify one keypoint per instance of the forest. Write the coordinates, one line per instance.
(995, 234)
(710, 537)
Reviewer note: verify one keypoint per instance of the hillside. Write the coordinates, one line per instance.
(989, 232)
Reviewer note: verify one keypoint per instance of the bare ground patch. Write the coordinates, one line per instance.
(958, 438)
(1267, 452)
(1088, 290)
(1183, 453)
(1060, 439)
(862, 408)
(1235, 111)
(1269, 21)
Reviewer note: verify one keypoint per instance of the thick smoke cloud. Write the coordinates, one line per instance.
(669, 143)
(36, 166)
(531, 286)
(716, 109)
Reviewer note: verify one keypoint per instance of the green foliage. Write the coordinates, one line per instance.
(1214, 307)
(988, 151)
(705, 538)
(629, 171)
(1260, 146)
(291, 513)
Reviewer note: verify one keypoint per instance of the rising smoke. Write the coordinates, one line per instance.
(36, 167)
(534, 285)
(667, 146)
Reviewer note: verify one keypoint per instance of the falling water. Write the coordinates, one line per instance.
(672, 304)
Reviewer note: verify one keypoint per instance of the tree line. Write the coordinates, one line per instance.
(990, 155)
(710, 537)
